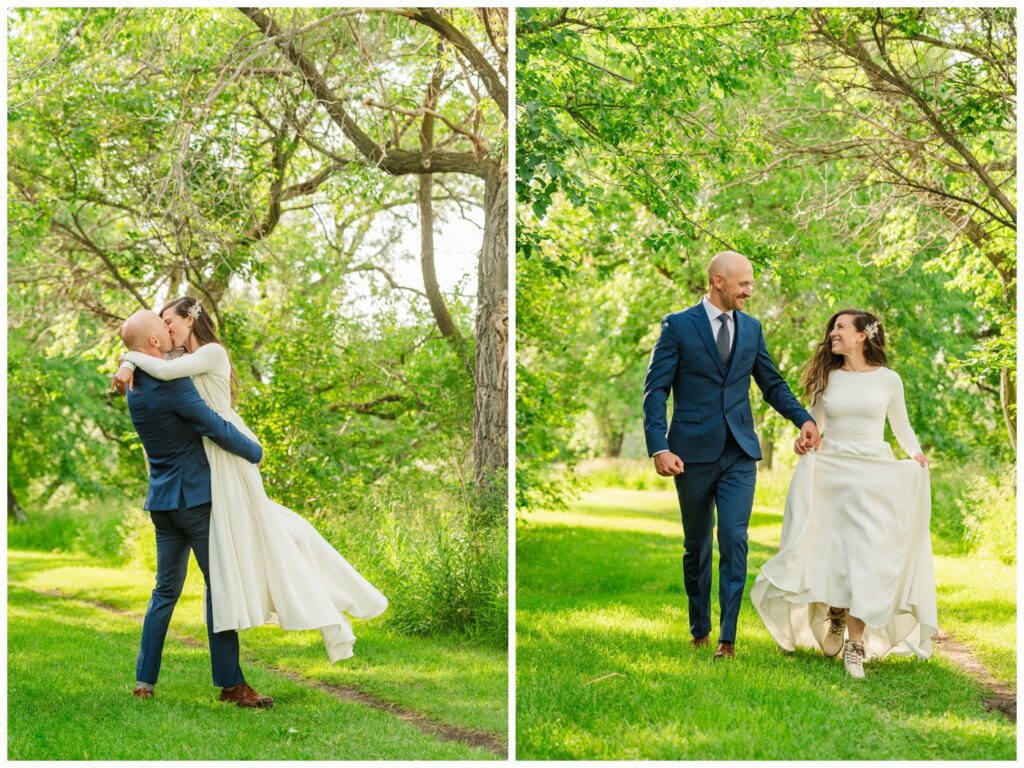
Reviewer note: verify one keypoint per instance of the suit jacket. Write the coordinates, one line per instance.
(171, 419)
(707, 396)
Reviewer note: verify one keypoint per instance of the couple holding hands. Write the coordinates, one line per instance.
(853, 574)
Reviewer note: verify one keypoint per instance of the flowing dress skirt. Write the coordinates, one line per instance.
(855, 535)
(268, 565)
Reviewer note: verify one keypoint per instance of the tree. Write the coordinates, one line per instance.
(650, 139)
(925, 99)
(490, 452)
(179, 161)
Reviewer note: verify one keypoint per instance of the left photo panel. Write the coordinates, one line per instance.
(257, 373)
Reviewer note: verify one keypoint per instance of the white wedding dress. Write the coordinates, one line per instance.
(268, 565)
(855, 531)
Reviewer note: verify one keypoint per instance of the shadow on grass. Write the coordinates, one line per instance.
(617, 677)
(605, 671)
(70, 675)
(564, 562)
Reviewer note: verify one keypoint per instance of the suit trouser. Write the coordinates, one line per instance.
(178, 532)
(727, 484)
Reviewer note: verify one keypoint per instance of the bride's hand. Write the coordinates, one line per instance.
(921, 459)
(799, 447)
(124, 379)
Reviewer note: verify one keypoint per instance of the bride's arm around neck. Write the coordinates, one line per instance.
(206, 359)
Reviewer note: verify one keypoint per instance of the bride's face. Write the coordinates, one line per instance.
(845, 337)
(178, 326)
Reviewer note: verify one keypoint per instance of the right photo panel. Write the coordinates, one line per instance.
(766, 383)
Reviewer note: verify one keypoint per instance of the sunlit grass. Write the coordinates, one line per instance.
(443, 678)
(604, 670)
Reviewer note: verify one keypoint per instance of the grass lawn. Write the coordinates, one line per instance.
(604, 669)
(71, 671)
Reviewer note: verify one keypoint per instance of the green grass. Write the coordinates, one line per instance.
(604, 670)
(87, 655)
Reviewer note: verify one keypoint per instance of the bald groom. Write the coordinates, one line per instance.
(705, 358)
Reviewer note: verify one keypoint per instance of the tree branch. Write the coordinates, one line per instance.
(392, 159)
(430, 17)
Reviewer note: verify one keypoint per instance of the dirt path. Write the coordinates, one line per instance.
(451, 733)
(1001, 697)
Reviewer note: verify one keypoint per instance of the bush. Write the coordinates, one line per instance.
(88, 527)
(990, 514)
(439, 573)
(632, 474)
(949, 486)
(138, 540)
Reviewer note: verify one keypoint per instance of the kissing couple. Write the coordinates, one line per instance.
(854, 573)
(262, 562)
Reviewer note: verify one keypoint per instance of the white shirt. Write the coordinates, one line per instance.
(713, 313)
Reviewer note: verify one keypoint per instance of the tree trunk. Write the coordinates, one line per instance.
(615, 444)
(425, 201)
(1008, 401)
(14, 509)
(490, 406)
(767, 452)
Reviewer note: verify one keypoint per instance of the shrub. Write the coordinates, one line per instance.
(440, 573)
(989, 510)
(632, 474)
(88, 527)
(138, 541)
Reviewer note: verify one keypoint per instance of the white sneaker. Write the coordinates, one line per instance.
(833, 642)
(853, 659)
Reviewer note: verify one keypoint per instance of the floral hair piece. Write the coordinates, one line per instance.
(195, 311)
(871, 329)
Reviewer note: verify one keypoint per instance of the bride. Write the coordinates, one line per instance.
(855, 556)
(267, 564)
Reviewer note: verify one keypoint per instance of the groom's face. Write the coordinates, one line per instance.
(736, 287)
(162, 336)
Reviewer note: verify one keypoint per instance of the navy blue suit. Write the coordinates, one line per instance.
(171, 419)
(712, 432)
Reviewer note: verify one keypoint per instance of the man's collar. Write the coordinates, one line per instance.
(712, 310)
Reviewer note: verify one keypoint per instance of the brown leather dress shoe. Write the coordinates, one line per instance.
(700, 642)
(245, 696)
(142, 693)
(725, 651)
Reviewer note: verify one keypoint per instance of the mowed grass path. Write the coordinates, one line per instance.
(71, 670)
(604, 669)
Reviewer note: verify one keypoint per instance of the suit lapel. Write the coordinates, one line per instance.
(700, 321)
(741, 336)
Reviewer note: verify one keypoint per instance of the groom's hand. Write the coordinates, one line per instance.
(667, 464)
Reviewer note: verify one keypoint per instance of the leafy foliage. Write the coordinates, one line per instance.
(649, 139)
(159, 152)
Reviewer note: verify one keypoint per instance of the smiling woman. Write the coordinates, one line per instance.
(856, 552)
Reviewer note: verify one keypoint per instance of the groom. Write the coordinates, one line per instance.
(171, 419)
(705, 358)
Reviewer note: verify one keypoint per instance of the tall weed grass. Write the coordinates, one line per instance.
(989, 509)
(440, 557)
(440, 573)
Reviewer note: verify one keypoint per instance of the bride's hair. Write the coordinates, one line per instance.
(824, 361)
(202, 329)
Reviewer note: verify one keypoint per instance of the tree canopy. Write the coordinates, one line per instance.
(271, 163)
(860, 157)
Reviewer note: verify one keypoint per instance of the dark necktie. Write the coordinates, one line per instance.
(723, 338)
